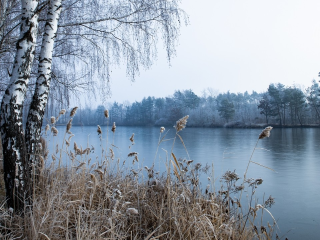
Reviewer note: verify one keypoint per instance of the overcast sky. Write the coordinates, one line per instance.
(236, 45)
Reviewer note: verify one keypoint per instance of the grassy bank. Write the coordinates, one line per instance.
(103, 199)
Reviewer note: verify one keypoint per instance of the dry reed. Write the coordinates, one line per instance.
(73, 111)
(53, 120)
(47, 128)
(106, 113)
(265, 133)
(181, 123)
(113, 129)
(132, 138)
(62, 111)
(99, 130)
(54, 131)
(92, 202)
(69, 125)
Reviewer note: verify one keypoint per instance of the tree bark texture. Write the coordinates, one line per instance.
(16, 172)
(40, 96)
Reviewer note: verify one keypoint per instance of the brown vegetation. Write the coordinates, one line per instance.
(104, 200)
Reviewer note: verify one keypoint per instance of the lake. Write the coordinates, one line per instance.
(293, 154)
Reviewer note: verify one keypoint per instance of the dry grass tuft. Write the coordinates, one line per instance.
(98, 205)
(91, 201)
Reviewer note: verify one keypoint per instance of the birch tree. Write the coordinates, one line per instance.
(16, 172)
(40, 95)
(91, 37)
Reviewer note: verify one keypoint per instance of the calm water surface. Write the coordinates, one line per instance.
(294, 154)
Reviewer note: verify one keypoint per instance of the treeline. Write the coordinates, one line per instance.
(279, 105)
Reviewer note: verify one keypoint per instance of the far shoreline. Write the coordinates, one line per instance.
(227, 125)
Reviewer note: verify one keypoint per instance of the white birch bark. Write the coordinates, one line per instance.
(40, 96)
(14, 149)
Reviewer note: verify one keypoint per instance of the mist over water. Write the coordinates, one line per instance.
(293, 154)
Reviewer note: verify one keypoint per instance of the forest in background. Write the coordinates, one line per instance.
(278, 105)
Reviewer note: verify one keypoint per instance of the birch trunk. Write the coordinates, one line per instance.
(40, 96)
(16, 172)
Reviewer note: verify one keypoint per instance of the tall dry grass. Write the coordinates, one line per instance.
(86, 200)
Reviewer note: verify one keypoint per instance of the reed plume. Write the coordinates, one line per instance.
(265, 133)
(181, 123)
(73, 111)
(54, 131)
(99, 130)
(106, 113)
(189, 161)
(72, 135)
(132, 154)
(69, 125)
(111, 154)
(132, 138)
(75, 146)
(53, 120)
(113, 129)
(63, 111)
(47, 128)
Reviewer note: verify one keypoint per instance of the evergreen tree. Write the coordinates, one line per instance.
(276, 93)
(226, 109)
(265, 106)
(314, 99)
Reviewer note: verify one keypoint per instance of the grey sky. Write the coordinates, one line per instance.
(234, 45)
